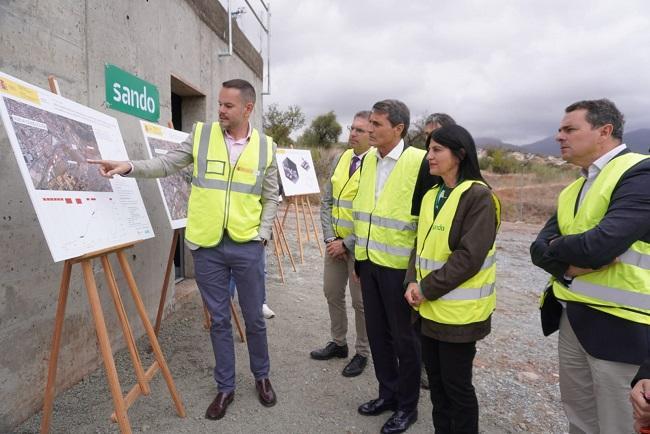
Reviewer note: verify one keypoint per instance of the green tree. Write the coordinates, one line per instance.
(280, 124)
(323, 131)
(416, 135)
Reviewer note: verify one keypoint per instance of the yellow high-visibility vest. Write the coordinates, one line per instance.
(385, 231)
(344, 189)
(473, 300)
(224, 196)
(623, 288)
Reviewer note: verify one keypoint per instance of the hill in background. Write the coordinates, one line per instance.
(637, 141)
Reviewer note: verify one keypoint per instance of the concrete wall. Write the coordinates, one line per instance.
(73, 40)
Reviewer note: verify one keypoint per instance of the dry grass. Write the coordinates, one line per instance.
(527, 197)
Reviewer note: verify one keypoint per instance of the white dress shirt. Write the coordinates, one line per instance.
(385, 167)
(595, 168)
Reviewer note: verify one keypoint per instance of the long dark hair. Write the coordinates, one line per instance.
(461, 144)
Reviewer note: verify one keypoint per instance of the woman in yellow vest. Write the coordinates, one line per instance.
(451, 275)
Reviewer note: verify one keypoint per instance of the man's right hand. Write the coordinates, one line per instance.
(640, 397)
(108, 168)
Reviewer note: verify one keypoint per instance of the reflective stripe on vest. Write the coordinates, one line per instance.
(431, 265)
(226, 196)
(470, 293)
(391, 250)
(622, 288)
(344, 189)
(385, 229)
(473, 300)
(385, 222)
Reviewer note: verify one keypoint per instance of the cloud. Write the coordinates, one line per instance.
(501, 68)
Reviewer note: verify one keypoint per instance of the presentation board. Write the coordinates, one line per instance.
(297, 171)
(174, 189)
(79, 211)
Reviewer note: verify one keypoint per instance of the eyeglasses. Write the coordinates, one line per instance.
(356, 130)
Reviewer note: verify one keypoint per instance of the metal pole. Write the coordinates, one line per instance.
(229, 53)
(268, 50)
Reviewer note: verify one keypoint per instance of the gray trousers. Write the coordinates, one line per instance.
(594, 392)
(337, 274)
(213, 268)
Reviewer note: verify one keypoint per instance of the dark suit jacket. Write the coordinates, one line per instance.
(627, 220)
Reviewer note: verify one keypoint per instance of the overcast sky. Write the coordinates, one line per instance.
(501, 68)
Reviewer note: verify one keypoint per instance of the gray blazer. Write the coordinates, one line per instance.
(173, 161)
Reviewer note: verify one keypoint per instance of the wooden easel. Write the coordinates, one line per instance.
(281, 247)
(305, 207)
(121, 403)
(163, 291)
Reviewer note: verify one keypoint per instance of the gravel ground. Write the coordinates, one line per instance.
(515, 368)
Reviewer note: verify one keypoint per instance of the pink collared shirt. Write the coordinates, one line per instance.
(236, 147)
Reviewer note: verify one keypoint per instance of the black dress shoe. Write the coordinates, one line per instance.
(376, 406)
(217, 409)
(265, 392)
(331, 350)
(356, 366)
(399, 422)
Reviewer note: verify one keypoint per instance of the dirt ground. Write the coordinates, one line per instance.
(515, 369)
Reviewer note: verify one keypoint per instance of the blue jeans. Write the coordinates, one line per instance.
(215, 267)
(233, 287)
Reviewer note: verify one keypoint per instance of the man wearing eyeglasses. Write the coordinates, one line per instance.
(336, 219)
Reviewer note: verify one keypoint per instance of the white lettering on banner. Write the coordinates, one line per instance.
(132, 97)
(116, 90)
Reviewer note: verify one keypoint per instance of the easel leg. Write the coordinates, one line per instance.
(126, 327)
(304, 217)
(126, 269)
(207, 322)
(286, 210)
(105, 347)
(54, 351)
(295, 207)
(313, 225)
(276, 251)
(235, 316)
(284, 243)
(163, 292)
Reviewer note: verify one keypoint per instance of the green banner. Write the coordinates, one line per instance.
(129, 94)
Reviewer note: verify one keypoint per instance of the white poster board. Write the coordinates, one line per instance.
(174, 189)
(297, 172)
(79, 211)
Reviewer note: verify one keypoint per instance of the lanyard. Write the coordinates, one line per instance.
(440, 198)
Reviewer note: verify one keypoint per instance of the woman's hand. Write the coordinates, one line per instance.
(413, 295)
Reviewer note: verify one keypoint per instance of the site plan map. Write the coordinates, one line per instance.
(79, 211)
(175, 189)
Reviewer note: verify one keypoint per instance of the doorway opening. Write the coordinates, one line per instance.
(188, 105)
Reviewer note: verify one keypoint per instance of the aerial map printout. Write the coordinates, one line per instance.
(175, 189)
(297, 171)
(79, 210)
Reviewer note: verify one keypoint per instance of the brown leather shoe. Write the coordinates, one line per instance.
(265, 392)
(217, 409)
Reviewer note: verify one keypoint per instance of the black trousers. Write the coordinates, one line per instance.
(449, 368)
(394, 344)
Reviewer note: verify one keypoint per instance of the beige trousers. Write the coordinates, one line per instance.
(336, 276)
(594, 392)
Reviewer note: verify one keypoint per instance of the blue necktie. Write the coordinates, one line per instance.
(354, 165)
